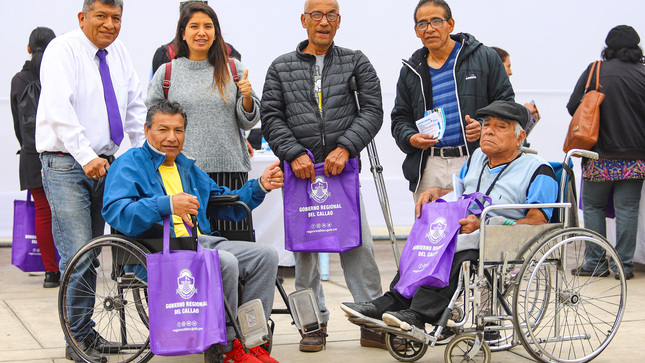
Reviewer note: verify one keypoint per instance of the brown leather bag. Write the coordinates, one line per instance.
(585, 124)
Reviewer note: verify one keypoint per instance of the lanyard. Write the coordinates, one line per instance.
(496, 178)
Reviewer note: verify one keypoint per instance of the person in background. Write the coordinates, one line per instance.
(80, 124)
(621, 149)
(168, 52)
(307, 105)
(506, 60)
(452, 75)
(201, 81)
(25, 91)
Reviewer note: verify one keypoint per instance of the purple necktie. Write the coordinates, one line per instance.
(116, 128)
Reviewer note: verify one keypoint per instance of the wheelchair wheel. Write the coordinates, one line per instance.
(112, 269)
(459, 349)
(404, 350)
(563, 317)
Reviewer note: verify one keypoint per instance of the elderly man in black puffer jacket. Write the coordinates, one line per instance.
(307, 104)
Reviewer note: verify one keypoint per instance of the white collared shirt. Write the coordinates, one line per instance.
(72, 115)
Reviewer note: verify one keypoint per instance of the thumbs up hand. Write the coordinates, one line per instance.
(247, 91)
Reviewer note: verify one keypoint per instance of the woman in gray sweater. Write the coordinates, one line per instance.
(217, 108)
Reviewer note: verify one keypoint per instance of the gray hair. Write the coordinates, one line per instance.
(168, 107)
(88, 5)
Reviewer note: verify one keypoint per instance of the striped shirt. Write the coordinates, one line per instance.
(444, 95)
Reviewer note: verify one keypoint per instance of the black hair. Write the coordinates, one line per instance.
(38, 41)
(501, 53)
(88, 5)
(441, 3)
(629, 55)
(168, 107)
(217, 54)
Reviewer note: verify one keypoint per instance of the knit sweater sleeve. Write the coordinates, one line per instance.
(246, 120)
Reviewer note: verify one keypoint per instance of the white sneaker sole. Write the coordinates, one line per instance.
(392, 320)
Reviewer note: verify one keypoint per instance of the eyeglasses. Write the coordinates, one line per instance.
(317, 16)
(423, 25)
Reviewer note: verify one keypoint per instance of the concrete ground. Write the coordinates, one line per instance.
(31, 330)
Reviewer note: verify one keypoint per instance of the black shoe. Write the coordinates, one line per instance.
(445, 337)
(628, 275)
(404, 319)
(579, 271)
(363, 309)
(101, 344)
(52, 279)
(84, 344)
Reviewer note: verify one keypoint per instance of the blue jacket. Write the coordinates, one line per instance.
(135, 199)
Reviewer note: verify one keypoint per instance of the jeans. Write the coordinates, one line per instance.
(627, 196)
(75, 201)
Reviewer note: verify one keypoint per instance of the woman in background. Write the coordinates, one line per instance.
(620, 146)
(25, 90)
(201, 81)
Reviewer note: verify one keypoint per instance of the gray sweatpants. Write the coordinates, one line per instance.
(359, 267)
(259, 263)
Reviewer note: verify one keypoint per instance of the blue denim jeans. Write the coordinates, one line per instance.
(627, 196)
(76, 203)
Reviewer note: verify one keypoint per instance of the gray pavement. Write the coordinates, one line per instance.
(30, 329)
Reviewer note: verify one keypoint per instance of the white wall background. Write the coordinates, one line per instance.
(550, 42)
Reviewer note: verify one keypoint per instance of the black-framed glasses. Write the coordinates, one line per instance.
(434, 23)
(317, 16)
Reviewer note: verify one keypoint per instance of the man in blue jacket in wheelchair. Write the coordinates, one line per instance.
(498, 169)
(157, 179)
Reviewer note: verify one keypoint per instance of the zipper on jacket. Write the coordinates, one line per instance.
(454, 76)
(425, 106)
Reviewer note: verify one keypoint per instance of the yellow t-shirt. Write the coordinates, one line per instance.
(172, 183)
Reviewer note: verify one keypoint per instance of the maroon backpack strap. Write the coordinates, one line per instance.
(171, 52)
(231, 63)
(166, 79)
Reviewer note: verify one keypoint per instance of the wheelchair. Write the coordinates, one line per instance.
(522, 291)
(118, 268)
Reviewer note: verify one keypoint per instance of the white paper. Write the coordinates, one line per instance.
(432, 124)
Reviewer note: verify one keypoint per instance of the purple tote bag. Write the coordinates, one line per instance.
(25, 253)
(324, 216)
(186, 299)
(427, 257)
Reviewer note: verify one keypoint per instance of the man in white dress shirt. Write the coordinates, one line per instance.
(90, 98)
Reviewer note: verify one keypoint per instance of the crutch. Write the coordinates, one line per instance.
(377, 172)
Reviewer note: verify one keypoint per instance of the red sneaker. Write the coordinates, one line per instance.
(238, 355)
(262, 355)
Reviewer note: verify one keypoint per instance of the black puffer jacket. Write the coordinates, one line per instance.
(622, 112)
(480, 80)
(291, 121)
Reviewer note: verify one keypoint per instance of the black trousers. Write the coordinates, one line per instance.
(428, 302)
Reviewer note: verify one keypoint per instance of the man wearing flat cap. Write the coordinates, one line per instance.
(498, 169)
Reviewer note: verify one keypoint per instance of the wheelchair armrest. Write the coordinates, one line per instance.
(223, 199)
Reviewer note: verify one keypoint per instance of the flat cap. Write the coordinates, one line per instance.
(507, 110)
(622, 36)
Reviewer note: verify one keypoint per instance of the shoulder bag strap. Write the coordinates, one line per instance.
(598, 86)
(231, 63)
(166, 79)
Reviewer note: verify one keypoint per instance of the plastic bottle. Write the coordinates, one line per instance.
(324, 266)
(265, 145)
